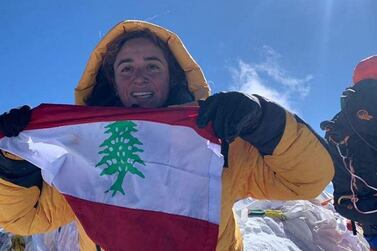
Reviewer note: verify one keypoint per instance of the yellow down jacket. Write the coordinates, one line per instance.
(296, 167)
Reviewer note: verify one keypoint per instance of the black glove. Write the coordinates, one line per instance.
(14, 121)
(337, 129)
(233, 114)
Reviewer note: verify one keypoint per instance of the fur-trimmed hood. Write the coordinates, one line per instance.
(196, 81)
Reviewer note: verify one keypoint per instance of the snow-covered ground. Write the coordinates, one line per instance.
(307, 226)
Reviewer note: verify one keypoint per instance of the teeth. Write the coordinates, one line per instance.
(142, 94)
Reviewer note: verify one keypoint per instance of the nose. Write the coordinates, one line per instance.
(140, 77)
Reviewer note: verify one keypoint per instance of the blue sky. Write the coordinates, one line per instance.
(299, 53)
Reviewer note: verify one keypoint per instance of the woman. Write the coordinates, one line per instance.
(272, 154)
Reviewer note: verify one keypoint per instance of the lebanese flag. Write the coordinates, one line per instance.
(137, 179)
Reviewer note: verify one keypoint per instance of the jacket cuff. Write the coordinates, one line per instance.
(266, 136)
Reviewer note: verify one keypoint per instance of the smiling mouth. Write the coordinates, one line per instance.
(142, 95)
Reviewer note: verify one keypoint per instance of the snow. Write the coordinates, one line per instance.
(63, 239)
(307, 226)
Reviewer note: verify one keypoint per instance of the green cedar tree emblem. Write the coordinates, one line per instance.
(120, 153)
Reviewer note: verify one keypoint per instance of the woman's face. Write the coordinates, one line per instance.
(141, 74)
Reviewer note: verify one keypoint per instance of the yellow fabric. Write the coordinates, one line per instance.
(26, 211)
(299, 168)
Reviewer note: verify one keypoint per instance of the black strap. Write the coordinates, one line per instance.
(354, 230)
(98, 248)
(224, 152)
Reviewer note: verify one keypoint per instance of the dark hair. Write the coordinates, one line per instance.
(104, 94)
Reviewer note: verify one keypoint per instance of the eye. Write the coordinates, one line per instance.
(153, 67)
(126, 68)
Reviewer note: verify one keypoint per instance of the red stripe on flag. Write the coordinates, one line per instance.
(116, 228)
(52, 115)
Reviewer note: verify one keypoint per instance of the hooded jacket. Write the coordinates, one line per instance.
(286, 161)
